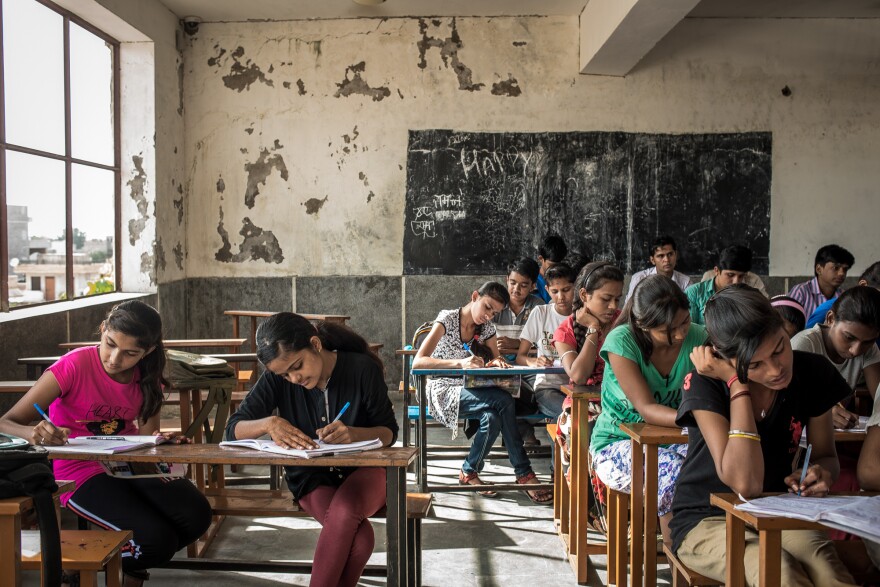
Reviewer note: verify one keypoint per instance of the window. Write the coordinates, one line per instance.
(59, 156)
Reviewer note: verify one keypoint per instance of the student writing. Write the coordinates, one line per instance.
(115, 388)
(745, 407)
(311, 374)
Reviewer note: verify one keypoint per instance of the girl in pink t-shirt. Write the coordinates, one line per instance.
(115, 388)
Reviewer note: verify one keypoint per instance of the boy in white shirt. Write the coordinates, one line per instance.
(542, 323)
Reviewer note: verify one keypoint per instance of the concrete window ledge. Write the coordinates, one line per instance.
(60, 307)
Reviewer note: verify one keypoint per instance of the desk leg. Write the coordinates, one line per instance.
(422, 466)
(637, 515)
(770, 543)
(736, 549)
(10, 550)
(405, 423)
(395, 525)
(651, 482)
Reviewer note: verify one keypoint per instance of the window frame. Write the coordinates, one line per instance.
(67, 158)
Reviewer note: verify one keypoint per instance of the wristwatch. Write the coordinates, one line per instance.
(591, 330)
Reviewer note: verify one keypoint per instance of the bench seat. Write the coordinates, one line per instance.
(413, 414)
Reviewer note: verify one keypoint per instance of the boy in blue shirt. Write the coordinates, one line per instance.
(551, 251)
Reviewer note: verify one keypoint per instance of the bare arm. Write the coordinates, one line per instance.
(19, 420)
(424, 360)
(280, 430)
(579, 365)
(869, 461)
(522, 354)
(637, 392)
(872, 377)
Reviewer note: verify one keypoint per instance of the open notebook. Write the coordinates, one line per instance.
(856, 514)
(106, 444)
(323, 449)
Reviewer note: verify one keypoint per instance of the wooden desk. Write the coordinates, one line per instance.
(254, 314)
(36, 365)
(11, 510)
(406, 356)
(233, 344)
(646, 439)
(570, 513)
(394, 460)
(422, 433)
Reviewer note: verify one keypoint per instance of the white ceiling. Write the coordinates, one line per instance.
(243, 10)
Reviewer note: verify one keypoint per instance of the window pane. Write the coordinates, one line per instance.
(35, 208)
(93, 232)
(33, 58)
(91, 96)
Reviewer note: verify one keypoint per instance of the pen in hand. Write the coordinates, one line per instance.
(806, 467)
(45, 417)
(342, 411)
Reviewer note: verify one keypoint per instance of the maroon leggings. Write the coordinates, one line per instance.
(346, 541)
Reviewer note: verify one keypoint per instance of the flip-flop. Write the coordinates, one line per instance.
(474, 479)
(539, 496)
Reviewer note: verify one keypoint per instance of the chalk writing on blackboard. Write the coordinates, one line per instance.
(476, 201)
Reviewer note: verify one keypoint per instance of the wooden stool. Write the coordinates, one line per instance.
(681, 575)
(87, 551)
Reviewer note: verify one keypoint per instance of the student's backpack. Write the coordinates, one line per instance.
(420, 334)
(26, 471)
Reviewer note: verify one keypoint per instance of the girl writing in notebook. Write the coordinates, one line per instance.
(311, 373)
(464, 338)
(745, 407)
(115, 388)
(648, 355)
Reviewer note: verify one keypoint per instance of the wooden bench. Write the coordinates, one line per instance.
(86, 551)
(15, 386)
(279, 503)
(683, 576)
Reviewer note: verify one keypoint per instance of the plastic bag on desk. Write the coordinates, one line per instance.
(184, 366)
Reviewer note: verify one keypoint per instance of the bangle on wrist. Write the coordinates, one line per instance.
(744, 393)
(732, 380)
(743, 433)
(754, 437)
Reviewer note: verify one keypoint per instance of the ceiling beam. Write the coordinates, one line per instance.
(616, 34)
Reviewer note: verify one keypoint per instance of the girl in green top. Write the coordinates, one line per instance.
(648, 355)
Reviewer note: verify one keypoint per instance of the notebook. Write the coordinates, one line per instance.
(106, 444)
(323, 449)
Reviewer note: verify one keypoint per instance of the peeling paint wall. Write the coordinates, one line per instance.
(296, 132)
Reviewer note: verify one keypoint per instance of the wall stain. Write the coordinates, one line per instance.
(249, 130)
(257, 245)
(178, 255)
(160, 255)
(259, 170)
(136, 183)
(520, 43)
(449, 48)
(148, 267)
(363, 177)
(357, 85)
(509, 87)
(180, 88)
(399, 93)
(221, 186)
(241, 76)
(215, 61)
(314, 205)
(301, 87)
(178, 204)
(277, 145)
(286, 85)
(370, 196)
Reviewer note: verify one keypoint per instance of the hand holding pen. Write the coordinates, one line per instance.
(336, 432)
(811, 481)
(473, 361)
(46, 432)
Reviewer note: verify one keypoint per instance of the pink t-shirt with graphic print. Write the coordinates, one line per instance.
(91, 404)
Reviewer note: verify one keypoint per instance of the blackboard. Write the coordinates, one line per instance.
(477, 201)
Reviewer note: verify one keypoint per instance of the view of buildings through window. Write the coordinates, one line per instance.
(61, 159)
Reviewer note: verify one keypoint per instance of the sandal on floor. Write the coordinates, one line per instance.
(474, 479)
(539, 496)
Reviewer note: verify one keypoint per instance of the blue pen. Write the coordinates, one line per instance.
(342, 411)
(806, 466)
(467, 347)
(44, 415)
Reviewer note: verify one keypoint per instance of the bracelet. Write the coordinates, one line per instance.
(566, 353)
(732, 380)
(749, 436)
(738, 433)
(588, 339)
(745, 393)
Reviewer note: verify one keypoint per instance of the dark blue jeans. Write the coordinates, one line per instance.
(495, 410)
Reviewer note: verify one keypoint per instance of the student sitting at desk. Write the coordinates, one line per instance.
(830, 268)
(551, 251)
(109, 389)
(792, 313)
(664, 256)
(648, 355)
(745, 408)
(311, 374)
(734, 263)
(871, 276)
(464, 338)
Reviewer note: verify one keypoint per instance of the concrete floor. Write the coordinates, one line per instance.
(470, 541)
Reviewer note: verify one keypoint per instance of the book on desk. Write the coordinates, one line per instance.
(107, 444)
(856, 514)
(324, 449)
